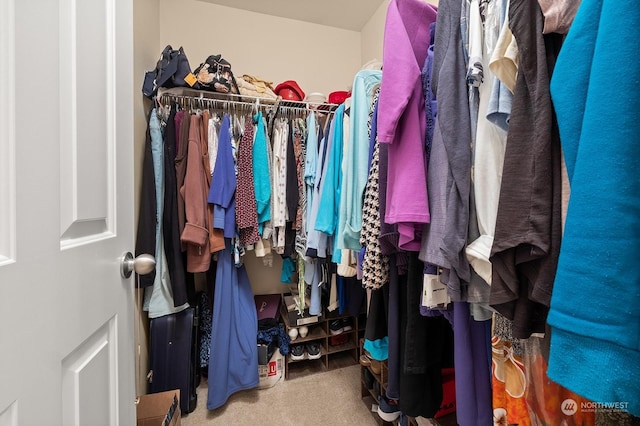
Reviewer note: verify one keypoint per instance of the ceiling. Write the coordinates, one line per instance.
(346, 14)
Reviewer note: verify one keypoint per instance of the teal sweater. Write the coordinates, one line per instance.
(261, 180)
(595, 306)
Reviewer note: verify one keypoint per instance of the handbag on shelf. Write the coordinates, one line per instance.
(215, 74)
(172, 70)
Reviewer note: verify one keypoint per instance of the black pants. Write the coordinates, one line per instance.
(425, 348)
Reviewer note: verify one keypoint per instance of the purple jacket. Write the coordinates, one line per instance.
(401, 116)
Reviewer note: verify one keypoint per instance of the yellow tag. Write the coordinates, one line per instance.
(190, 79)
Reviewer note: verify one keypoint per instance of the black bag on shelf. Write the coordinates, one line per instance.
(172, 70)
(215, 74)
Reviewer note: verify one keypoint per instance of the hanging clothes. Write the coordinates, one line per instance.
(222, 191)
(195, 189)
(279, 212)
(181, 164)
(158, 299)
(526, 244)
(355, 161)
(318, 237)
(233, 364)
(170, 225)
(246, 210)
(261, 175)
(402, 117)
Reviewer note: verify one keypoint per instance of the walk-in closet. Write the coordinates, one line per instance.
(340, 212)
(390, 195)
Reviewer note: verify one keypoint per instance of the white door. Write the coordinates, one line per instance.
(66, 213)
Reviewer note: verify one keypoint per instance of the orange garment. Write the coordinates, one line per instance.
(523, 395)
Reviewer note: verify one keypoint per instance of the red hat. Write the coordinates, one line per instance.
(289, 90)
(338, 97)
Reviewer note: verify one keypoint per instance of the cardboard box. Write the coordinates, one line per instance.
(159, 409)
(272, 373)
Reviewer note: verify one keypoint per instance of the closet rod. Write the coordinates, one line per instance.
(234, 99)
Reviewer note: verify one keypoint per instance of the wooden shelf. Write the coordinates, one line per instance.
(330, 356)
(323, 352)
(316, 332)
(380, 381)
(341, 348)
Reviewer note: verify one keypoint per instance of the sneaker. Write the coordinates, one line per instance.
(388, 409)
(336, 327)
(297, 352)
(313, 350)
(346, 324)
(403, 420)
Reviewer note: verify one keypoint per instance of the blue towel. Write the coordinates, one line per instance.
(595, 306)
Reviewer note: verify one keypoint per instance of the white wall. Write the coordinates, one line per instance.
(320, 58)
(372, 34)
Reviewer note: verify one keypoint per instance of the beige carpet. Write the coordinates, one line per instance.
(327, 398)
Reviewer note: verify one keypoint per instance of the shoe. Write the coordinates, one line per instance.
(346, 324)
(293, 334)
(373, 364)
(303, 331)
(388, 409)
(338, 340)
(313, 350)
(336, 327)
(403, 420)
(365, 361)
(297, 352)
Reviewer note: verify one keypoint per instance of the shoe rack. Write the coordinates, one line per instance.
(370, 392)
(331, 356)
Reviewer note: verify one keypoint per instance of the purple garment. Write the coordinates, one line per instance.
(472, 342)
(223, 184)
(401, 117)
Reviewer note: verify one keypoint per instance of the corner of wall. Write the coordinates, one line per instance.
(372, 34)
(146, 35)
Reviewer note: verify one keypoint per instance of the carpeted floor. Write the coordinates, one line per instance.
(327, 398)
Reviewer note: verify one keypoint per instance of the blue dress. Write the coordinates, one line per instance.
(233, 364)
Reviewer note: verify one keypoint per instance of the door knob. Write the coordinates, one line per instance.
(142, 264)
